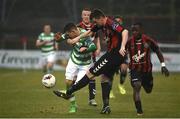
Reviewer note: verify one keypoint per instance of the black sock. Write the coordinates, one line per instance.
(111, 83)
(80, 84)
(122, 77)
(105, 93)
(138, 106)
(92, 89)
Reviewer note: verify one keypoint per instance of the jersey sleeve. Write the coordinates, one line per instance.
(62, 38)
(117, 27)
(153, 44)
(91, 46)
(40, 37)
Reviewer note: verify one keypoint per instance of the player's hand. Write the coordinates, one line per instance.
(165, 71)
(83, 49)
(57, 36)
(122, 51)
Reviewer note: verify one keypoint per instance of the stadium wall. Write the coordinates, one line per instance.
(31, 59)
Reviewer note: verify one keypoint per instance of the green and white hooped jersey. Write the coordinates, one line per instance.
(82, 58)
(78, 57)
(49, 47)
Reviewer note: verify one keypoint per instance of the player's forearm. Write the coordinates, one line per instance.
(98, 45)
(79, 38)
(124, 38)
(39, 43)
(160, 57)
(86, 34)
(74, 40)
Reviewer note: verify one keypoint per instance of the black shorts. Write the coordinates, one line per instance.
(145, 78)
(107, 64)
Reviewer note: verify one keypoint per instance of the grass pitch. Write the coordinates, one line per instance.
(22, 95)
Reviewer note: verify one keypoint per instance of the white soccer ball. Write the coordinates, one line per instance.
(48, 80)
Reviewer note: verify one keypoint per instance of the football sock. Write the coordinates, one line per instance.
(138, 106)
(92, 89)
(73, 101)
(105, 93)
(78, 85)
(110, 84)
(122, 77)
(49, 70)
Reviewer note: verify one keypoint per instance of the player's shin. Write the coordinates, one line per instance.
(122, 77)
(105, 93)
(78, 85)
(136, 96)
(92, 89)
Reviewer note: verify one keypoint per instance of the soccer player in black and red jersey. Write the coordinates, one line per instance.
(122, 68)
(109, 62)
(139, 47)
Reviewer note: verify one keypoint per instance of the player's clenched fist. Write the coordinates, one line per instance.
(57, 36)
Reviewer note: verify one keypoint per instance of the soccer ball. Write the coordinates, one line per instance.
(48, 80)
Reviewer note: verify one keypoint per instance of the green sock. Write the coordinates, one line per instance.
(73, 101)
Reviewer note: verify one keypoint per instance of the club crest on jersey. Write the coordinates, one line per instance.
(138, 56)
(114, 25)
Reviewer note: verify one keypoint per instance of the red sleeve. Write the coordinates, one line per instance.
(155, 48)
(117, 27)
(153, 44)
(114, 25)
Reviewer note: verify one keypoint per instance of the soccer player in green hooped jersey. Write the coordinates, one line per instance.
(48, 45)
(80, 58)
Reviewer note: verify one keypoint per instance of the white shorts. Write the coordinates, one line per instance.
(48, 58)
(73, 70)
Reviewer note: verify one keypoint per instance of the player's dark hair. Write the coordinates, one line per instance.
(138, 24)
(97, 13)
(70, 26)
(86, 9)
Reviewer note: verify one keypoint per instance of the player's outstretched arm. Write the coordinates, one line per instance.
(154, 46)
(125, 35)
(80, 37)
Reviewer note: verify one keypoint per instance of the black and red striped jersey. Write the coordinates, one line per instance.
(139, 52)
(112, 33)
(85, 26)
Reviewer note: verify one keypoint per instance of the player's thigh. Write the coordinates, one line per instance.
(44, 60)
(51, 58)
(108, 62)
(82, 71)
(135, 78)
(100, 65)
(71, 70)
(147, 82)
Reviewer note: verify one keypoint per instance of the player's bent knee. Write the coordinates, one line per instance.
(90, 75)
(104, 79)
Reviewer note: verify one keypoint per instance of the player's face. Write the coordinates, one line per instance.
(119, 20)
(86, 16)
(47, 29)
(136, 31)
(73, 33)
(99, 22)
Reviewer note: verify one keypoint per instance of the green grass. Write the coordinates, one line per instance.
(22, 95)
